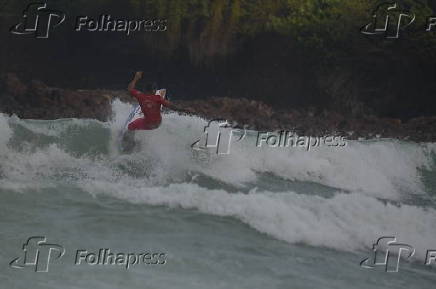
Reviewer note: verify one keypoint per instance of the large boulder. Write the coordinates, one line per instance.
(13, 85)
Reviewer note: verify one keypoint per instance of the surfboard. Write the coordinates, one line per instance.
(134, 114)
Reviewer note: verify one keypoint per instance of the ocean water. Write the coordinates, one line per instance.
(256, 218)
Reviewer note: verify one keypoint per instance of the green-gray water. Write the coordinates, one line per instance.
(257, 218)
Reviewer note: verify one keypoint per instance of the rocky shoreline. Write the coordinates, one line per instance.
(36, 100)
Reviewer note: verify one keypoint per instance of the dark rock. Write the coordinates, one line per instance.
(13, 85)
(37, 100)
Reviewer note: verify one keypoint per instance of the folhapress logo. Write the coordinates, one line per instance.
(38, 21)
(218, 134)
(38, 254)
(388, 20)
(387, 252)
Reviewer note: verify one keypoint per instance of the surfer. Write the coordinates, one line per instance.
(150, 104)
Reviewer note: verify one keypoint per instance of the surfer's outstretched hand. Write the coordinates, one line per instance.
(132, 84)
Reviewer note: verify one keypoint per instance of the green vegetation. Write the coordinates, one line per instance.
(312, 48)
(209, 28)
(331, 26)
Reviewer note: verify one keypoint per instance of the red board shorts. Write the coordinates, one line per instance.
(144, 124)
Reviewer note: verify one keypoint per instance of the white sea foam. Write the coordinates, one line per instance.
(383, 168)
(157, 175)
(345, 222)
(5, 132)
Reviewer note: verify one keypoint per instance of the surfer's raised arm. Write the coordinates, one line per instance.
(132, 84)
(170, 105)
(175, 107)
